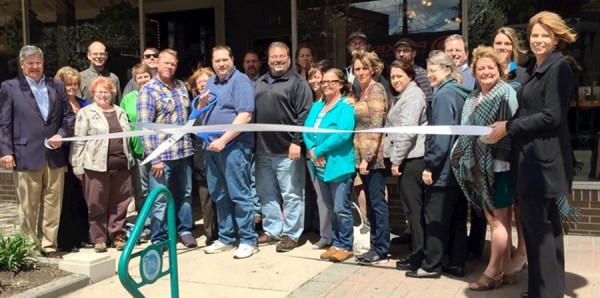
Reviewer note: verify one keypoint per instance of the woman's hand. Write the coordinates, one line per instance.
(498, 131)
(395, 170)
(427, 177)
(319, 162)
(362, 167)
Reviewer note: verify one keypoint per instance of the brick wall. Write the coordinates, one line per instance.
(585, 196)
(7, 189)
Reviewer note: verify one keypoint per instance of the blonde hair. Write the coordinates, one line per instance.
(515, 41)
(369, 59)
(488, 52)
(437, 57)
(556, 24)
(191, 81)
(68, 74)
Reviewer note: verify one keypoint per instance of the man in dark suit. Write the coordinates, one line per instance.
(33, 108)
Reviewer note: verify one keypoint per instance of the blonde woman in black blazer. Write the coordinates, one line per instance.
(543, 150)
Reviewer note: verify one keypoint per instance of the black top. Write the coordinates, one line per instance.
(283, 100)
(540, 131)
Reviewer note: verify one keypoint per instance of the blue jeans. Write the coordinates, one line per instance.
(336, 196)
(228, 178)
(177, 174)
(377, 211)
(279, 180)
(255, 200)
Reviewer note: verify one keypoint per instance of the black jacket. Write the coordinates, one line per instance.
(540, 131)
(286, 100)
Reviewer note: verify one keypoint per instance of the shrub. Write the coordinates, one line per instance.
(17, 253)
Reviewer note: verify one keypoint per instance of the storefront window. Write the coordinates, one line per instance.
(11, 38)
(327, 24)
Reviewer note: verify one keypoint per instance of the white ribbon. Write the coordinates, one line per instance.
(154, 129)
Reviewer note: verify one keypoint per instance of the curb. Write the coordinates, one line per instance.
(57, 288)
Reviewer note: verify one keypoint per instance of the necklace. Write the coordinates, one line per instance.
(108, 113)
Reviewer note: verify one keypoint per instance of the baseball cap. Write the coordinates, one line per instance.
(357, 34)
(406, 41)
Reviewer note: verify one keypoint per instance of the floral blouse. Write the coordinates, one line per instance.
(369, 112)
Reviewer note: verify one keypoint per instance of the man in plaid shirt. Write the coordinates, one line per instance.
(165, 100)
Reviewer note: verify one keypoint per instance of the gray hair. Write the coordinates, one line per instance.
(440, 58)
(278, 44)
(29, 50)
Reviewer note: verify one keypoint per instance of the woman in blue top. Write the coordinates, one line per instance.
(332, 159)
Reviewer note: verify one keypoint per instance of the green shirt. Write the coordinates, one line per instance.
(128, 104)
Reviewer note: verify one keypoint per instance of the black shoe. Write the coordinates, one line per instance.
(454, 270)
(420, 273)
(409, 263)
(370, 258)
(402, 239)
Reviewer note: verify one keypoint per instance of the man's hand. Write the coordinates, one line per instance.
(157, 169)
(7, 162)
(217, 145)
(295, 152)
(427, 177)
(55, 141)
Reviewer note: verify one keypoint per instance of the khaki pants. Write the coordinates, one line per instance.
(40, 187)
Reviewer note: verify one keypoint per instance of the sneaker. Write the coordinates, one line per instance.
(265, 239)
(287, 244)
(188, 240)
(322, 243)
(119, 243)
(244, 251)
(341, 255)
(370, 258)
(330, 252)
(100, 247)
(217, 247)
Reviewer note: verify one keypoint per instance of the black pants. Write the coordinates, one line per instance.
(73, 227)
(542, 230)
(411, 192)
(445, 227)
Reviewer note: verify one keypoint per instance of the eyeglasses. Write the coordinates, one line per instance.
(432, 71)
(148, 56)
(328, 83)
(278, 57)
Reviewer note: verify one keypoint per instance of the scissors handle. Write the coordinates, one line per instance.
(195, 112)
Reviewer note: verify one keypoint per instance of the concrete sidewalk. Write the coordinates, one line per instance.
(300, 273)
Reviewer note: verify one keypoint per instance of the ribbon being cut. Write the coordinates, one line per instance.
(209, 132)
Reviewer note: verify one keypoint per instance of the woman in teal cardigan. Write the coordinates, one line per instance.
(332, 159)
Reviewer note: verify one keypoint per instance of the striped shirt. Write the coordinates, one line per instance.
(158, 103)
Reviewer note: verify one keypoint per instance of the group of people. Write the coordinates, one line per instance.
(522, 168)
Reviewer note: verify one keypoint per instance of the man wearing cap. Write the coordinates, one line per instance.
(406, 50)
(358, 41)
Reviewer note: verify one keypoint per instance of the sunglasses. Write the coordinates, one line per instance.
(148, 56)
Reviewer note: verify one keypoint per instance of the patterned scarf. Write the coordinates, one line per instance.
(472, 160)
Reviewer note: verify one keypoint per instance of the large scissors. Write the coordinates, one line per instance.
(206, 136)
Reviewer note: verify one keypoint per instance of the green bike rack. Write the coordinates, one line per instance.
(151, 257)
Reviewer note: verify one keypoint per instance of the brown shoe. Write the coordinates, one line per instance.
(265, 239)
(286, 244)
(341, 255)
(119, 242)
(330, 252)
(100, 247)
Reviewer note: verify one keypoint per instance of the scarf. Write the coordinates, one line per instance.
(472, 161)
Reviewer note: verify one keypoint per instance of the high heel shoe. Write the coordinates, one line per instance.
(522, 265)
(509, 279)
(486, 283)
